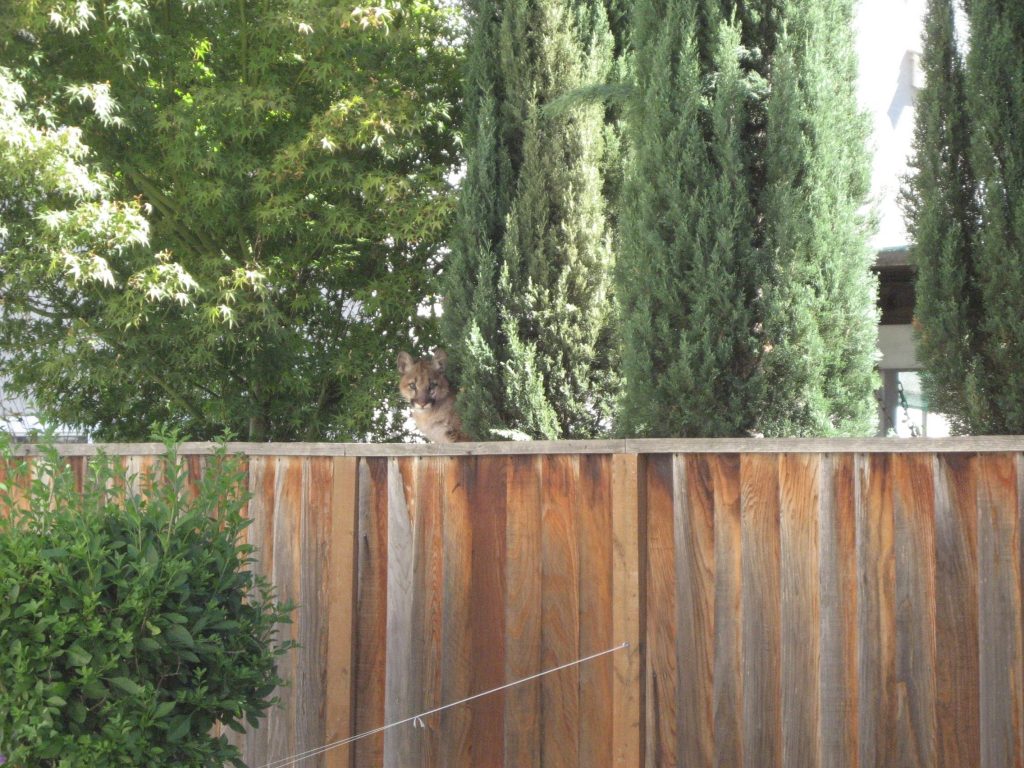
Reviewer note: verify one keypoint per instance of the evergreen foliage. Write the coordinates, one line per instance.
(941, 205)
(744, 268)
(526, 319)
(966, 208)
(289, 160)
(132, 621)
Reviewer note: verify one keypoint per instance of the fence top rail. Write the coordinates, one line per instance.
(999, 444)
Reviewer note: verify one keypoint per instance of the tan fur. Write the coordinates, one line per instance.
(423, 383)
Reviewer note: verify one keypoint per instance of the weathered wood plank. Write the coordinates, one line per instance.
(402, 689)
(728, 620)
(694, 524)
(886, 445)
(457, 639)
(629, 605)
(339, 677)
(663, 692)
(956, 612)
(288, 502)
(914, 530)
(263, 485)
(839, 630)
(310, 658)
(560, 601)
(429, 610)
(799, 494)
(595, 549)
(762, 711)
(523, 617)
(371, 611)
(999, 612)
(876, 617)
(487, 619)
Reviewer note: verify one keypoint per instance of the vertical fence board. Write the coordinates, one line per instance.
(799, 493)
(262, 484)
(728, 619)
(629, 604)
(694, 510)
(762, 711)
(402, 689)
(372, 594)
(1000, 619)
(339, 674)
(662, 615)
(595, 608)
(876, 613)
(523, 725)
(310, 691)
(429, 615)
(956, 612)
(487, 598)
(560, 611)
(914, 540)
(838, 585)
(287, 514)
(457, 640)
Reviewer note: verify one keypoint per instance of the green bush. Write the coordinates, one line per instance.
(130, 621)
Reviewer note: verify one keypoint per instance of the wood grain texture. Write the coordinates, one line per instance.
(560, 600)
(839, 599)
(457, 639)
(629, 605)
(762, 657)
(728, 621)
(956, 612)
(646, 446)
(311, 656)
(694, 513)
(799, 494)
(339, 675)
(595, 608)
(914, 540)
(523, 618)
(263, 486)
(999, 612)
(287, 514)
(663, 694)
(372, 595)
(402, 688)
(876, 616)
(487, 616)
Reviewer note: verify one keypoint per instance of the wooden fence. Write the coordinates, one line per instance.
(786, 603)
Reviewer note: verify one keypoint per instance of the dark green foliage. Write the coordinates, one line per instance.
(966, 209)
(744, 269)
(942, 209)
(290, 159)
(131, 621)
(526, 317)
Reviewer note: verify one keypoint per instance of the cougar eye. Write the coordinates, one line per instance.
(412, 385)
(433, 386)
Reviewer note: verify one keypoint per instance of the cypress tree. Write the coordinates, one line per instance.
(820, 318)
(995, 103)
(686, 271)
(941, 206)
(526, 319)
(744, 272)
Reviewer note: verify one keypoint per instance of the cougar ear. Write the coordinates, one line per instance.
(404, 361)
(440, 361)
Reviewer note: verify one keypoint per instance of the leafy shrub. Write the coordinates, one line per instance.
(130, 621)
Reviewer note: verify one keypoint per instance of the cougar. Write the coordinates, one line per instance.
(423, 383)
